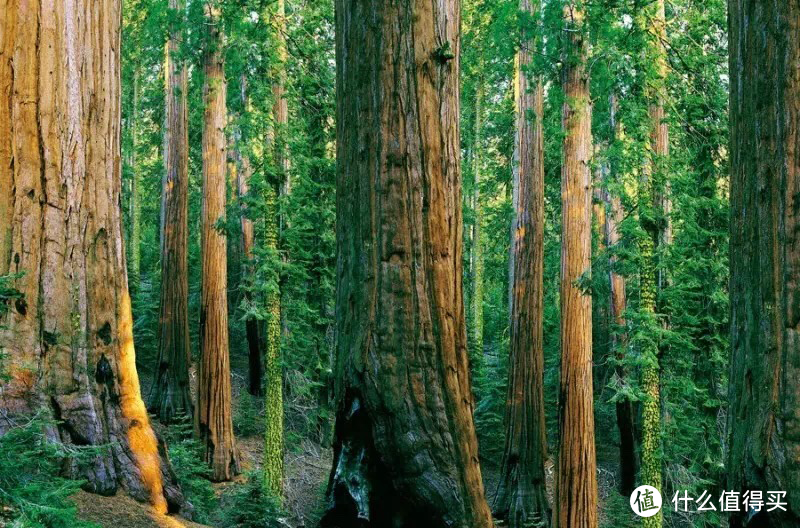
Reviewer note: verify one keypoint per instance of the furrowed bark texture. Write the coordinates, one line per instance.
(170, 396)
(764, 415)
(69, 340)
(213, 420)
(521, 498)
(405, 450)
(628, 457)
(659, 134)
(576, 481)
(280, 106)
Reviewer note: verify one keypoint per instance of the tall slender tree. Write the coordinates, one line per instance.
(576, 480)
(476, 255)
(764, 415)
(628, 457)
(134, 198)
(170, 396)
(521, 499)
(69, 336)
(405, 449)
(213, 421)
(243, 176)
(273, 438)
(654, 209)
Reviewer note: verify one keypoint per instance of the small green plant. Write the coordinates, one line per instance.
(248, 417)
(32, 492)
(186, 456)
(249, 506)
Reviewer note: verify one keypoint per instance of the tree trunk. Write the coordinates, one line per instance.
(213, 421)
(280, 106)
(628, 456)
(405, 450)
(576, 481)
(521, 498)
(243, 175)
(69, 340)
(764, 415)
(170, 397)
(659, 133)
(654, 209)
(274, 226)
(273, 404)
(476, 349)
(134, 203)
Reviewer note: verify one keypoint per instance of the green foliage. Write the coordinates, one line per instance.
(692, 348)
(32, 491)
(248, 506)
(248, 415)
(186, 456)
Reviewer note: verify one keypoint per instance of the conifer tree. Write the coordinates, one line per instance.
(213, 420)
(576, 480)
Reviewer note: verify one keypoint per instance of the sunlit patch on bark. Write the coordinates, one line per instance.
(141, 438)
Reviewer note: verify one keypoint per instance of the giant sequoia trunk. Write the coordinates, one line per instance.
(521, 499)
(576, 480)
(405, 450)
(170, 396)
(213, 420)
(764, 415)
(69, 339)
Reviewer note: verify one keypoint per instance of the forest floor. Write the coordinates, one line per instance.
(307, 465)
(121, 511)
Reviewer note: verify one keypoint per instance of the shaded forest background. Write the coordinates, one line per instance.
(291, 167)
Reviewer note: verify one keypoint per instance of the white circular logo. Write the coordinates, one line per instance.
(645, 501)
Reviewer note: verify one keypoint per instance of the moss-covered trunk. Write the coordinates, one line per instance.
(654, 208)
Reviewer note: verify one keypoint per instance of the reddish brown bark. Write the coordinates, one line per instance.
(170, 396)
(69, 338)
(576, 481)
(521, 499)
(213, 420)
(405, 450)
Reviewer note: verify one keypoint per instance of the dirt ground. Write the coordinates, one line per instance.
(307, 466)
(121, 511)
